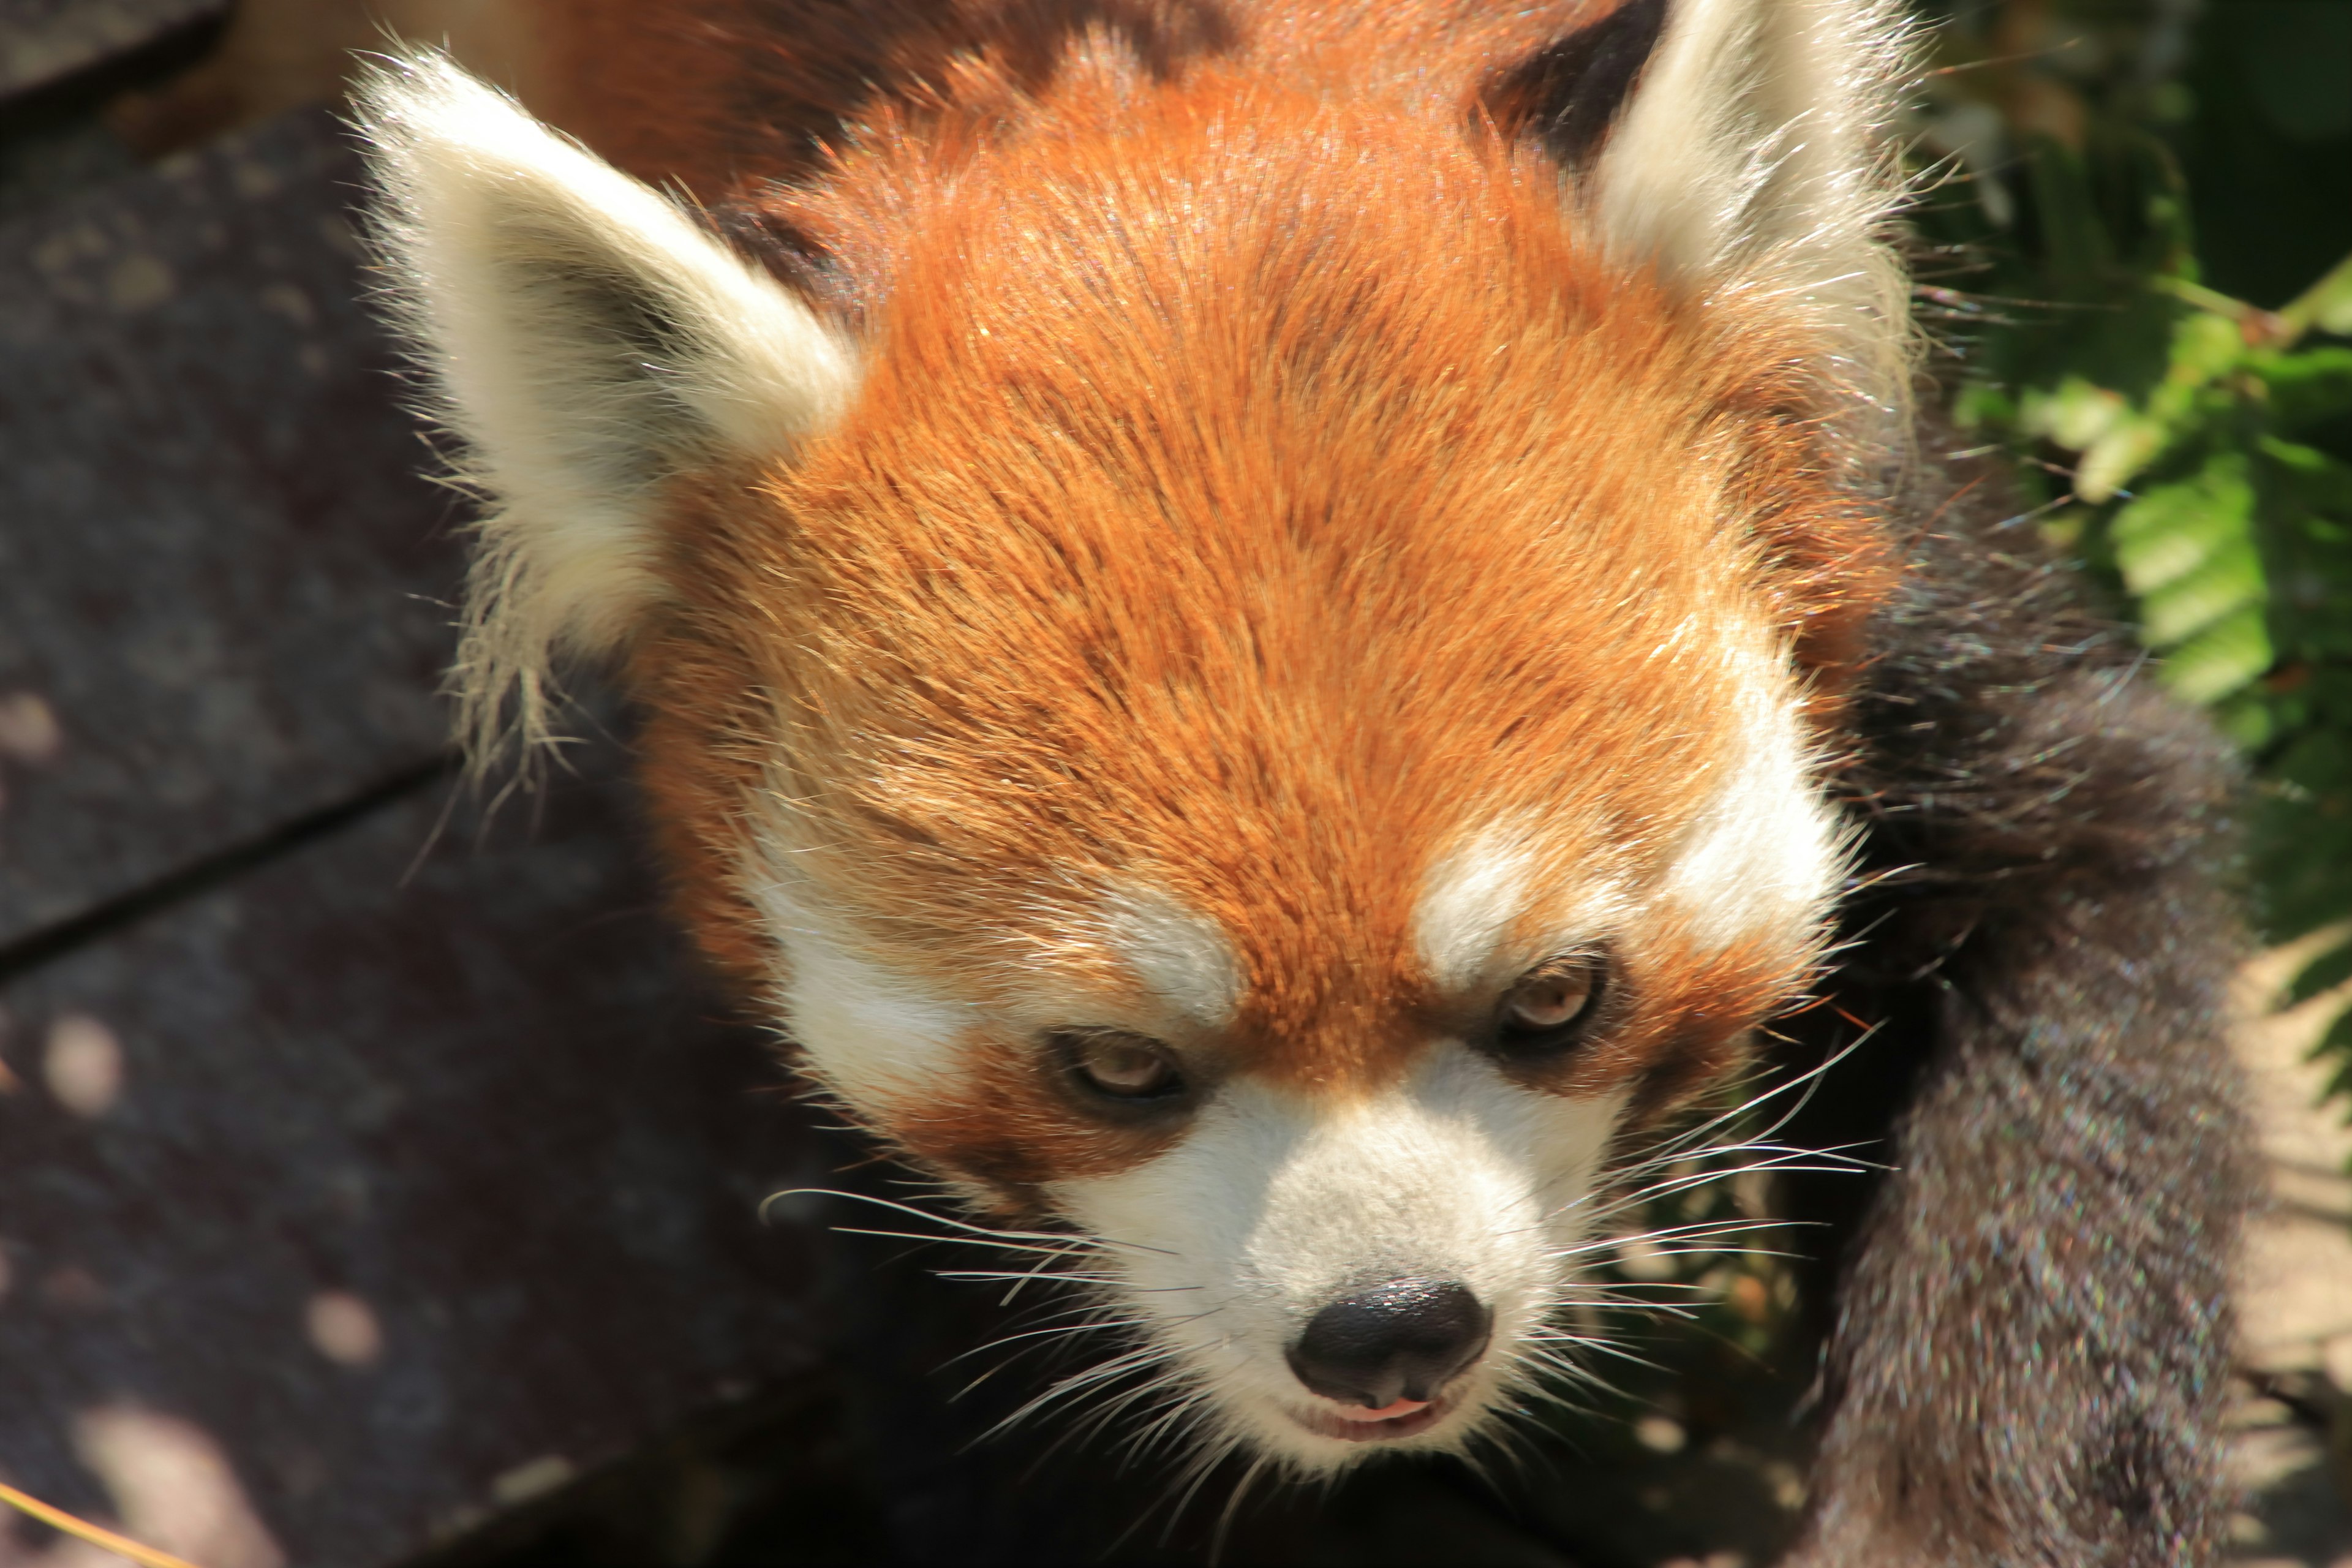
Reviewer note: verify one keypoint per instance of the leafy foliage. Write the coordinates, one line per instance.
(2106, 220)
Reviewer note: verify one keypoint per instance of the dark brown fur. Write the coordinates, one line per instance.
(2030, 1333)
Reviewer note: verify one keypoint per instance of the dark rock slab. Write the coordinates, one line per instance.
(385, 1192)
(42, 40)
(222, 583)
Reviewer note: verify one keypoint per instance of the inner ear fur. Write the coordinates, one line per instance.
(586, 342)
(1566, 95)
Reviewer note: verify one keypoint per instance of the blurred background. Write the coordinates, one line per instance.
(378, 1184)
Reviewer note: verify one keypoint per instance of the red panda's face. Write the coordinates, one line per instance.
(1263, 707)
(1280, 754)
(1330, 1089)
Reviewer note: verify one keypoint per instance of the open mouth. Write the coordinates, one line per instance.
(1353, 1423)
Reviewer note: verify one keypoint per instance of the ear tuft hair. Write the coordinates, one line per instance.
(1752, 157)
(586, 341)
(1739, 147)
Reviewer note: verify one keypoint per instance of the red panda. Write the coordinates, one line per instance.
(1271, 632)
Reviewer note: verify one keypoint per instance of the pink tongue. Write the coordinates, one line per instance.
(1385, 1413)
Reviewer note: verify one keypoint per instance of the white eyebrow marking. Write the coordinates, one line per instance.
(1474, 895)
(1183, 957)
(1469, 902)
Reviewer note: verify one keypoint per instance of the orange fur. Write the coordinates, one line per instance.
(1260, 482)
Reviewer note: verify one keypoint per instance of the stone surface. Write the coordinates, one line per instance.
(222, 583)
(2298, 1282)
(364, 1176)
(369, 1194)
(42, 40)
(2294, 1454)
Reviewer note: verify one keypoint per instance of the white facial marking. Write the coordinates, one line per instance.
(1184, 957)
(1469, 902)
(1766, 856)
(875, 1037)
(1275, 1204)
(1472, 899)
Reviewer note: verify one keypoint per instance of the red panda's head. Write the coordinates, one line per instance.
(1249, 672)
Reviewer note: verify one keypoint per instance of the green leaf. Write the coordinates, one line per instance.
(2119, 442)
(2307, 385)
(2204, 346)
(2222, 658)
(2231, 580)
(1979, 402)
(2326, 304)
(2319, 482)
(2172, 530)
(2170, 533)
(2076, 413)
(2127, 447)
(2248, 721)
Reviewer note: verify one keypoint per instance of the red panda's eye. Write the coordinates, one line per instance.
(1124, 1067)
(1548, 1002)
(1547, 1008)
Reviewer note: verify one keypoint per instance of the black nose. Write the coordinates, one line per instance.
(1398, 1341)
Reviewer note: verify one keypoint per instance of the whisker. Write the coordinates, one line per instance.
(1808, 1079)
(972, 1276)
(986, 1276)
(1684, 1170)
(1550, 1380)
(1168, 1380)
(1233, 1506)
(1475, 1464)
(1619, 1352)
(1167, 1424)
(1066, 1238)
(1063, 1330)
(1207, 1465)
(1028, 1278)
(1675, 1310)
(1488, 1443)
(1694, 1231)
(1534, 1423)
(1132, 1361)
(1620, 1196)
(1063, 1252)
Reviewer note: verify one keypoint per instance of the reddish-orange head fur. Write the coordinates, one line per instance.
(1275, 556)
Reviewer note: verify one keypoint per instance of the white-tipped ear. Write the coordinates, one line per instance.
(589, 341)
(1752, 155)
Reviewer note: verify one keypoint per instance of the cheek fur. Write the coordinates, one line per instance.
(1765, 854)
(873, 1037)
